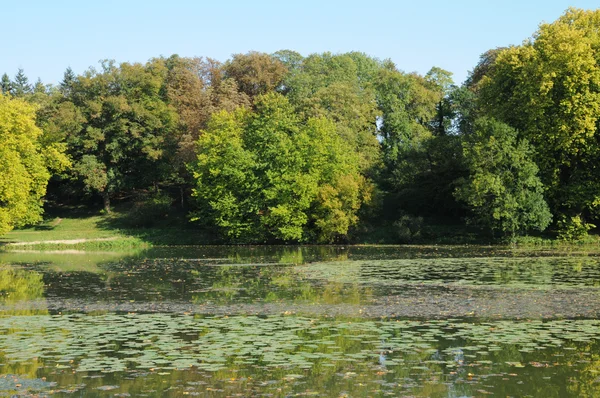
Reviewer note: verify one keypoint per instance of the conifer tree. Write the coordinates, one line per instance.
(21, 86)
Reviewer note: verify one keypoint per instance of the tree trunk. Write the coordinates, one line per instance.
(106, 201)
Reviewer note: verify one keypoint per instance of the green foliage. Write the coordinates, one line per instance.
(292, 60)
(502, 190)
(339, 88)
(118, 127)
(5, 84)
(66, 85)
(408, 105)
(422, 158)
(25, 164)
(573, 228)
(484, 68)
(549, 89)
(291, 166)
(267, 175)
(20, 86)
(19, 285)
(440, 80)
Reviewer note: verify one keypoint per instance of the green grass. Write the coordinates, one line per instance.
(63, 228)
(118, 231)
(102, 232)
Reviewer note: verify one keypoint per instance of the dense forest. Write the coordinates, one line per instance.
(324, 148)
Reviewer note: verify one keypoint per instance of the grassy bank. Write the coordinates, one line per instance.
(88, 230)
(83, 229)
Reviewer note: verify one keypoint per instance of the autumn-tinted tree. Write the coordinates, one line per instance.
(255, 73)
(484, 67)
(186, 91)
(197, 88)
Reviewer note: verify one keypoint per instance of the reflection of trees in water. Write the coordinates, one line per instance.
(534, 272)
(269, 274)
(274, 284)
(19, 285)
(587, 383)
(571, 271)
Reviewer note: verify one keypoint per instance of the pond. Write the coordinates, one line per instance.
(300, 321)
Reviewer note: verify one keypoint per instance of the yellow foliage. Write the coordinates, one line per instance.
(24, 164)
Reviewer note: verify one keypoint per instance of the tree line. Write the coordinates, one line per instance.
(286, 148)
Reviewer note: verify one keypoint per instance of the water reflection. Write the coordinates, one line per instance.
(330, 321)
(165, 355)
(306, 280)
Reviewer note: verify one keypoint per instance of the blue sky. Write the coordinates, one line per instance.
(44, 37)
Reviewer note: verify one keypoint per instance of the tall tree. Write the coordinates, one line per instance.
(255, 73)
(269, 176)
(5, 84)
(407, 104)
(39, 87)
(125, 128)
(339, 88)
(20, 85)
(549, 89)
(66, 84)
(484, 67)
(421, 158)
(440, 80)
(187, 93)
(25, 164)
(292, 60)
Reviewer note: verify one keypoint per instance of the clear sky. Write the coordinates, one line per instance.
(44, 37)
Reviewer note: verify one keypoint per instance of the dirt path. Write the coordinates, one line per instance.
(61, 242)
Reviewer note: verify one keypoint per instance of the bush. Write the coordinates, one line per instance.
(573, 228)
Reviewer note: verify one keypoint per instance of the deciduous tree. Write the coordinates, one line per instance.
(549, 90)
(255, 73)
(123, 127)
(25, 164)
(502, 190)
(268, 175)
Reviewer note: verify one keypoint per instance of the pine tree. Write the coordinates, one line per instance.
(5, 84)
(20, 85)
(39, 86)
(66, 85)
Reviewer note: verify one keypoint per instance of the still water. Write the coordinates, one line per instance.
(300, 321)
